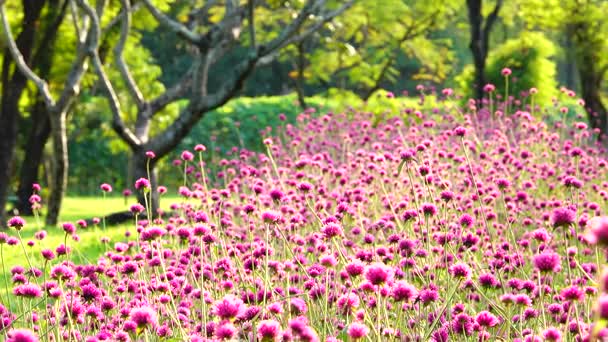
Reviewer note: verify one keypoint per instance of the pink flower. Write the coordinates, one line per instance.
(597, 231)
(229, 307)
(142, 183)
(21, 335)
(506, 72)
(357, 330)
(144, 317)
(378, 273)
(105, 187)
(16, 222)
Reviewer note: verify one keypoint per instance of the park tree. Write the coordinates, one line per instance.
(361, 53)
(480, 26)
(38, 27)
(583, 24)
(211, 33)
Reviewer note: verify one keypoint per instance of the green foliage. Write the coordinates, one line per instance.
(529, 57)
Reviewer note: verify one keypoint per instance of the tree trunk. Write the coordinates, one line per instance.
(140, 168)
(12, 88)
(591, 81)
(60, 165)
(476, 45)
(39, 135)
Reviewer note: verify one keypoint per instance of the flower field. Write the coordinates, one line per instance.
(456, 224)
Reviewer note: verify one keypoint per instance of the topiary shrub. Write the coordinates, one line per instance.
(529, 57)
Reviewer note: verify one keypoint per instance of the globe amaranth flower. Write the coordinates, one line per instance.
(331, 230)
(357, 330)
(269, 330)
(229, 307)
(562, 217)
(547, 262)
(597, 231)
(144, 317)
(21, 335)
(142, 183)
(379, 273)
(16, 222)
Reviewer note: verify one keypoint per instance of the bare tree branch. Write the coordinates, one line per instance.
(179, 90)
(118, 56)
(21, 63)
(117, 122)
(179, 28)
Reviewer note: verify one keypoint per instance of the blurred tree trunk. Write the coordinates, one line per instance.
(591, 84)
(41, 126)
(480, 38)
(34, 150)
(12, 88)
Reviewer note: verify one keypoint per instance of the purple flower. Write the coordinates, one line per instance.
(486, 319)
(229, 307)
(462, 324)
(105, 187)
(597, 231)
(187, 156)
(547, 262)
(144, 317)
(378, 273)
(357, 330)
(142, 183)
(271, 216)
(68, 228)
(28, 291)
(269, 330)
(460, 270)
(403, 291)
(16, 222)
(460, 131)
(562, 217)
(21, 335)
(331, 230)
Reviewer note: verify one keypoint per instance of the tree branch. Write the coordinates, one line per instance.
(136, 7)
(20, 61)
(118, 56)
(490, 20)
(92, 50)
(175, 26)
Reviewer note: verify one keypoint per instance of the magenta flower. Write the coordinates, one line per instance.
(357, 330)
(229, 307)
(331, 230)
(105, 187)
(144, 317)
(486, 319)
(562, 217)
(16, 222)
(142, 183)
(21, 335)
(269, 330)
(28, 291)
(547, 262)
(187, 156)
(597, 231)
(378, 273)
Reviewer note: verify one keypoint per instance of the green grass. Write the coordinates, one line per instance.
(90, 246)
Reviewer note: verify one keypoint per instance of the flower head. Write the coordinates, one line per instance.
(144, 317)
(21, 335)
(105, 187)
(16, 222)
(357, 330)
(597, 231)
(229, 307)
(547, 262)
(562, 217)
(379, 273)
